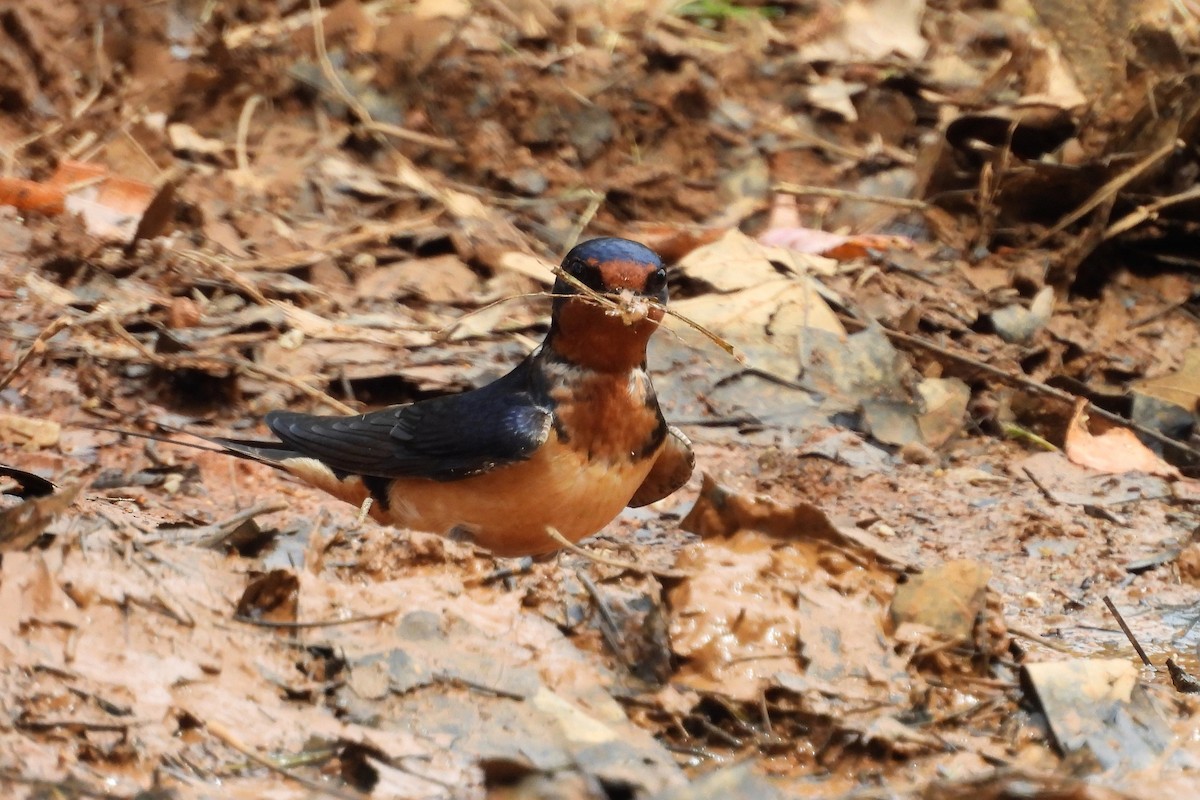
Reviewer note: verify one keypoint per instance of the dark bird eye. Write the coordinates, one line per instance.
(656, 282)
(586, 273)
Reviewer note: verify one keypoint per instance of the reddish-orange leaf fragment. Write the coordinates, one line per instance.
(27, 195)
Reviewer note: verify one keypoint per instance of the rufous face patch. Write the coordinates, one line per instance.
(622, 274)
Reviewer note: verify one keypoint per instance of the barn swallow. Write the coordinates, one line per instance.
(568, 438)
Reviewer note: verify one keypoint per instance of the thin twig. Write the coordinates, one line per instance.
(229, 739)
(327, 623)
(216, 535)
(842, 194)
(1128, 633)
(432, 142)
(1043, 641)
(450, 327)
(361, 114)
(1148, 212)
(37, 346)
(1026, 383)
(327, 69)
(584, 219)
(612, 562)
(566, 543)
(369, 233)
(167, 362)
(809, 139)
(229, 273)
(1015, 431)
(609, 629)
(1159, 314)
(364, 510)
(1108, 191)
(243, 132)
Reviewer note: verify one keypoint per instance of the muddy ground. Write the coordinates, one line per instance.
(942, 383)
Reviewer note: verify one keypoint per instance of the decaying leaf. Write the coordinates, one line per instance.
(739, 631)
(28, 433)
(765, 302)
(114, 207)
(271, 597)
(22, 524)
(1115, 451)
(1068, 483)
(1181, 388)
(784, 229)
(947, 598)
(1097, 705)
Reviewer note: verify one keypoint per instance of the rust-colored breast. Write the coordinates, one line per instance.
(508, 509)
(608, 417)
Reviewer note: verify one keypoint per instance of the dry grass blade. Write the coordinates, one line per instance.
(1108, 191)
(1028, 384)
(326, 623)
(243, 131)
(1112, 608)
(230, 740)
(37, 346)
(842, 194)
(707, 334)
(432, 142)
(361, 114)
(1149, 212)
(229, 273)
(630, 566)
(453, 325)
(249, 367)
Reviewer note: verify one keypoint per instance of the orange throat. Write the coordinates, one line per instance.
(590, 335)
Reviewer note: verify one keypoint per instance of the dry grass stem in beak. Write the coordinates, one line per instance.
(630, 307)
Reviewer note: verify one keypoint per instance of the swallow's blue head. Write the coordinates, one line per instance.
(611, 265)
(601, 337)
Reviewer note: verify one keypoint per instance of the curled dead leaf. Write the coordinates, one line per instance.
(28, 433)
(272, 597)
(22, 524)
(1115, 451)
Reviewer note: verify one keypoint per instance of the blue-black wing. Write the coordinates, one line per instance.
(444, 438)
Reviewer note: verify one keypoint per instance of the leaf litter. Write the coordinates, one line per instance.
(937, 235)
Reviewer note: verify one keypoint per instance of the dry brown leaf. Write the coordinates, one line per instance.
(1181, 387)
(946, 598)
(1091, 700)
(21, 525)
(741, 626)
(1115, 451)
(873, 30)
(943, 409)
(28, 433)
(440, 279)
(767, 323)
(733, 262)
(186, 139)
(273, 596)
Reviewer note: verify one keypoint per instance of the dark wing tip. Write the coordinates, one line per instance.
(271, 453)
